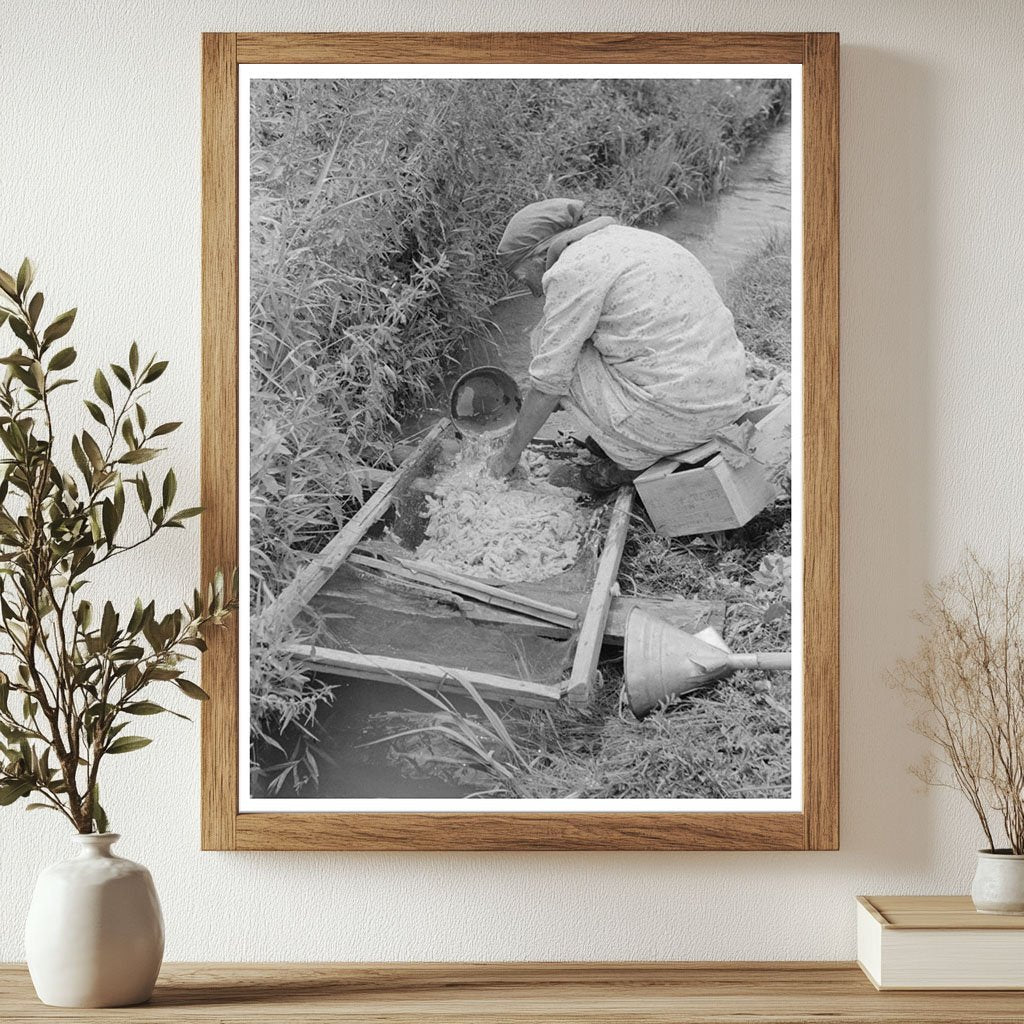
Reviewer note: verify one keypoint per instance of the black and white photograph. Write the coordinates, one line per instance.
(519, 394)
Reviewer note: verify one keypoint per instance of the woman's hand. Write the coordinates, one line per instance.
(537, 407)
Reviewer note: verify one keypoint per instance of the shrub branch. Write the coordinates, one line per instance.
(79, 678)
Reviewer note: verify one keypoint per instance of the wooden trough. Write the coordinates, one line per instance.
(380, 615)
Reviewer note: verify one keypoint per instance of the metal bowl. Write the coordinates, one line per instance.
(485, 401)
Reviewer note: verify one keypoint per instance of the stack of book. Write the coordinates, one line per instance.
(938, 942)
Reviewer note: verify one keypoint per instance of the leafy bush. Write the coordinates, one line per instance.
(79, 674)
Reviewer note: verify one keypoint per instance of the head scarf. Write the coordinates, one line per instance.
(548, 227)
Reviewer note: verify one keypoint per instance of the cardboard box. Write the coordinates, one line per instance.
(700, 492)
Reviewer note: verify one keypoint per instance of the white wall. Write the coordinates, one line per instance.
(99, 181)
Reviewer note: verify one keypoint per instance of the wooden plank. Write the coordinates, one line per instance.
(379, 668)
(821, 441)
(219, 431)
(683, 613)
(474, 611)
(526, 993)
(588, 646)
(521, 47)
(510, 599)
(522, 830)
(299, 592)
(417, 574)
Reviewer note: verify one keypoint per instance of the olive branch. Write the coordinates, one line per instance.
(81, 674)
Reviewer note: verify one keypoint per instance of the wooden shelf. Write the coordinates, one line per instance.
(636, 993)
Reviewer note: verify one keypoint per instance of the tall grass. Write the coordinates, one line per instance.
(760, 299)
(375, 208)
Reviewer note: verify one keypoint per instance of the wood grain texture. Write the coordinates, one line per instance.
(521, 48)
(492, 599)
(681, 612)
(817, 826)
(588, 645)
(380, 668)
(519, 831)
(474, 588)
(524, 993)
(944, 913)
(219, 430)
(821, 441)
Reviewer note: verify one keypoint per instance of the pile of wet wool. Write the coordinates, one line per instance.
(517, 531)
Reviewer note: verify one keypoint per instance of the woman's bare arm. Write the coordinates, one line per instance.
(537, 407)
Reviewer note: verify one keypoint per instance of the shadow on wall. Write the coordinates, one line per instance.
(887, 274)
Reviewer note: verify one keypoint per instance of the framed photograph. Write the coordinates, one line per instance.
(520, 421)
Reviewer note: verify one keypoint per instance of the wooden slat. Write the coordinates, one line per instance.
(524, 830)
(937, 912)
(509, 598)
(524, 993)
(472, 610)
(521, 47)
(413, 572)
(301, 590)
(380, 668)
(821, 441)
(588, 646)
(681, 612)
(219, 430)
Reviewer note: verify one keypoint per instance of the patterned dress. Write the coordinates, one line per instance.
(637, 339)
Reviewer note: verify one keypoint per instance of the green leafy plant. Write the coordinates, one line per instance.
(81, 673)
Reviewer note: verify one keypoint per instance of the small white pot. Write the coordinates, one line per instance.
(95, 934)
(999, 882)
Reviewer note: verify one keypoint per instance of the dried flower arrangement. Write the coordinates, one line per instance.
(967, 679)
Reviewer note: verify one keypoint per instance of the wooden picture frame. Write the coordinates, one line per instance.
(816, 826)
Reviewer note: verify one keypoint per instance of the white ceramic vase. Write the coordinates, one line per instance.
(95, 934)
(999, 883)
